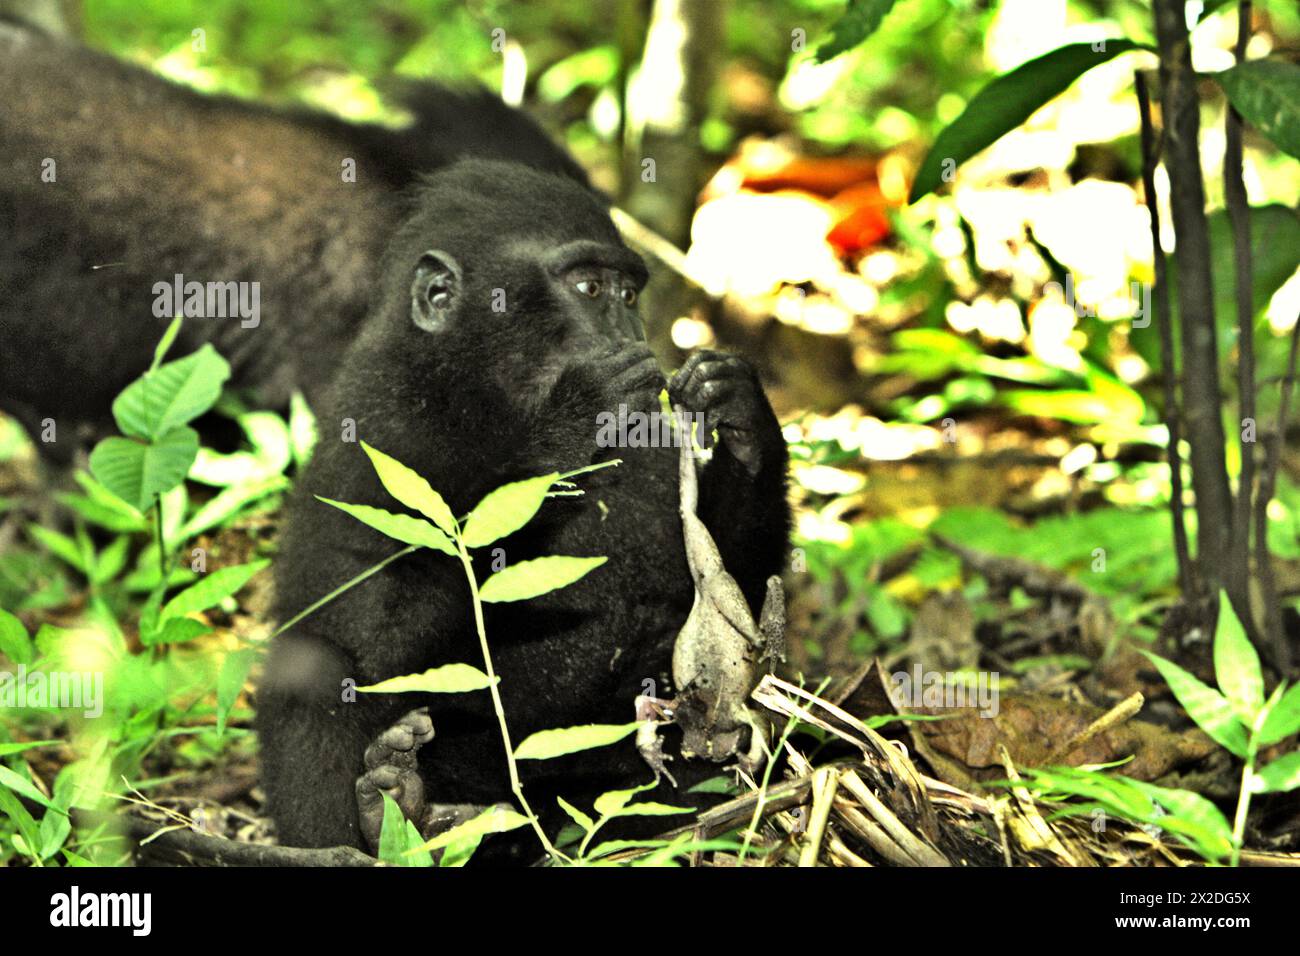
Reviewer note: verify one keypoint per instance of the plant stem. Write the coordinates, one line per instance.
(1243, 797)
(374, 569)
(516, 787)
(158, 527)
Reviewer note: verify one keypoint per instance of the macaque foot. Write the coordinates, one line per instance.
(392, 767)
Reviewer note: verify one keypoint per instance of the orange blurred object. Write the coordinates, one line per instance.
(862, 218)
(850, 185)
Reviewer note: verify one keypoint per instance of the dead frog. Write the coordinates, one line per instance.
(720, 653)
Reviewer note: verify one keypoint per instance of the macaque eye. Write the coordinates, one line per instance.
(629, 297)
(589, 287)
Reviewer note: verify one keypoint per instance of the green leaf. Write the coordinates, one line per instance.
(1192, 816)
(229, 502)
(171, 395)
(411, 490)
(303, 433)
(576, 815)
(8, 749)
(1206, 706)
(24, 788)
(1236, 665)
(399, 841)
(28, 838)
(211, 590)
(528, 579)
(108, 564)
(1007, 102)
(165, 343)
(137, 472)
(61, 546)
(448, 679)
(177, 630)
(1267, 92)
(1281, 776)
(402, 528)
(547, 744)
(234, 673)
(860, 20)
(14, 641)
(491, 820)
(611, 802)
(1283, 720)
(506, 510)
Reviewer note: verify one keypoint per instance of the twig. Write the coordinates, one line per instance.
(1118, 714)
(1160, 293)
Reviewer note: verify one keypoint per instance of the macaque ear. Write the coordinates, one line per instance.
(435, 288)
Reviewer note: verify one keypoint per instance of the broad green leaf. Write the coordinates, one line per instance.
(1007, 102)
(576, 815)
(1236, 665)
(402, 528)
(1192, 816)
(528, 579)
(165, 343)
(1206, 706)
(448, 679)
(138, 472)
(170, 396)
(411, 489)
(211, 589)
(859, 21)
(14, 642)
(1283, 720)
(234, 672)
(547, 744)
(506, 510)
(176, 630)
(491, 820)
(397, 846)
(1281, 776)
(1267, 93)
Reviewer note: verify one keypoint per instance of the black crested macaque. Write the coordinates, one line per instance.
(472, 398)
(113, 179)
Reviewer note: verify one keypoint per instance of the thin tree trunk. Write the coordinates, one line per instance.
(666, 103)
(1201, 393)
(1150, 159)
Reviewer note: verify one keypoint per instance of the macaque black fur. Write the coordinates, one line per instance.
(154, 179)
(480, 399)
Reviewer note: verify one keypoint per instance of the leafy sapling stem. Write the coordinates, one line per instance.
(516, 787)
